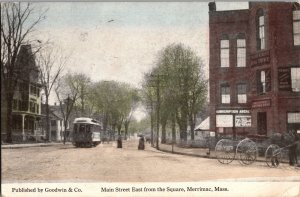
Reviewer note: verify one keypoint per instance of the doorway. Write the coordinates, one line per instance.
(262, 123)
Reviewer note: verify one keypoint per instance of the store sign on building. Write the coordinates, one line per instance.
(262, 103)
(260, 58)
(242, 121)
(284, 79)
(233, 111)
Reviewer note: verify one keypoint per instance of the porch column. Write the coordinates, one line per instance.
(23, 127)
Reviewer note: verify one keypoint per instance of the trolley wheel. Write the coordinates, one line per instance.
(246, 151)
(273, 156)
(225, 151)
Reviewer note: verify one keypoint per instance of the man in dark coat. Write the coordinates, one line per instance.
(293, 148)
(141, 144)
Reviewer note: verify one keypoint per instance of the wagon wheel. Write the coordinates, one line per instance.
(273, 155)
(246, 151)
(225, 151)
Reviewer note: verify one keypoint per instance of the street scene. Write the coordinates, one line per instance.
(150, 92)
(107, 163)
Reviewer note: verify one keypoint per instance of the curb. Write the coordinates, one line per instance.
(17, 146)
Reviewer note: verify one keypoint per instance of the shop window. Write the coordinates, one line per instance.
(224, 52)
(294, 117)
(241, 52)
(261, 39)
(224, 120)
(242, 93)
(295, 79)
(296, 27)
(225, 94)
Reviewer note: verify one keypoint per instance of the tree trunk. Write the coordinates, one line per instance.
(9, 121)
(65, 132)
(192, 127)
(173, 129)
(9, 93)
(119, 128)
(163, 132)
(152, 125)
(126, 125)
(47, 118)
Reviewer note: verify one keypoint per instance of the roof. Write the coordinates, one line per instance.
(204, 125)
(86, 120)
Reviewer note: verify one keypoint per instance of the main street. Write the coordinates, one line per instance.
(106, 163)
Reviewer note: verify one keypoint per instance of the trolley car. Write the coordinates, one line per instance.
(86, 132)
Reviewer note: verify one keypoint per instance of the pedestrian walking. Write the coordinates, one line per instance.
(119, 142)
(141, 144)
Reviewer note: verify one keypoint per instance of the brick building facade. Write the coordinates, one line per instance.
(254, 69)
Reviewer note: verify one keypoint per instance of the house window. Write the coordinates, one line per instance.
(53, 122)
(15, 104)
(225, 94)
(261, 41)
(224, 53)
(242, 93)
(296, 27)
(32, 107)
(295, 78)
(37, 108)
(241, 52)
(263, 81)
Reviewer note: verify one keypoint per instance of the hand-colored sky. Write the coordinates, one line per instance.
(121, 40)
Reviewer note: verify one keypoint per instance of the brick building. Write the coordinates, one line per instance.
(254, 69)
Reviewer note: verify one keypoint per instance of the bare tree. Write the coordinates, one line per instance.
(17, 26)
(72, 91)
(67, 91)
(51, 64)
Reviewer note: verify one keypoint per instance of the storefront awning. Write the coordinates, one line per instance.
(203, 126)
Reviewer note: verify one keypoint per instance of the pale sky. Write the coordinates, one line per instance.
(120, 40)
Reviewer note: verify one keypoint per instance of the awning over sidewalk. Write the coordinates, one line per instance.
(204, 125)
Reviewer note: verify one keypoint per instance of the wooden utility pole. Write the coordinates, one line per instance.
(157, 111)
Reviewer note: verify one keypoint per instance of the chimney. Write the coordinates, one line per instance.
(212, 6)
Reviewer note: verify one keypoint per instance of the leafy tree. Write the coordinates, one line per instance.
(182, 88)
(116, 102)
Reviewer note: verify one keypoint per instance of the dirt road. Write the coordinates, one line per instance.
(106, 163)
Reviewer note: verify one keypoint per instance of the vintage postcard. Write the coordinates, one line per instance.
(150, 98)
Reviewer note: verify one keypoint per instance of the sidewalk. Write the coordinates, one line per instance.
(201, 152)
(14, 146)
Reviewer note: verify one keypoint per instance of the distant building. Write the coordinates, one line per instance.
(57, 126)
(254, 69)
(26, 114)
